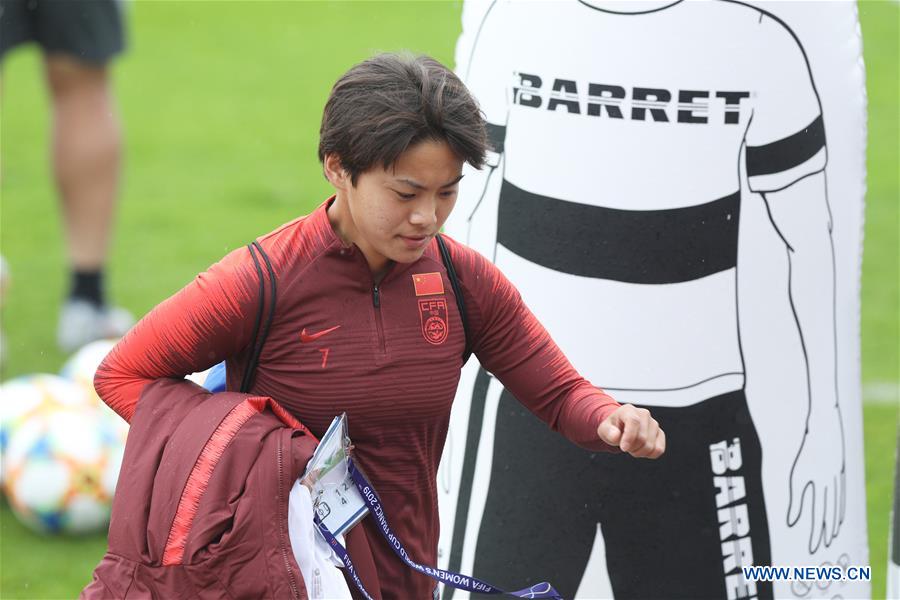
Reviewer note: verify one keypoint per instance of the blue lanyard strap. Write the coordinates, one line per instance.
(463, 582)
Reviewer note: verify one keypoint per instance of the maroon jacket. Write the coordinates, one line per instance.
(201, 503)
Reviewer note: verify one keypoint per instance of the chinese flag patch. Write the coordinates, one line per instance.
(428, 284)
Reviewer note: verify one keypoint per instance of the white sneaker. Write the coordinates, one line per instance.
(81, 322)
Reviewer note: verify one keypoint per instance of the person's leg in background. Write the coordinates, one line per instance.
(79, 39)
(87, 157)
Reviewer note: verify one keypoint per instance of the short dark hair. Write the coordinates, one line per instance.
(390, 102)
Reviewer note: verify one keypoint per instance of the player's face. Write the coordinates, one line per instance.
(392, 214)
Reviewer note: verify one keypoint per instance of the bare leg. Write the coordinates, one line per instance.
(87, 149)
(87, 155)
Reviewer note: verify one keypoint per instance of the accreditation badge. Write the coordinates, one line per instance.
(336, 500)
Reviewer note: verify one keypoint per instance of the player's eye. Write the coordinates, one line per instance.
(448, 193)
(404, 196)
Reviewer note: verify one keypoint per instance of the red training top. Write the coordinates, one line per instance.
(387, 355)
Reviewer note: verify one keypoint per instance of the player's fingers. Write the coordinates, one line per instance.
(644, 433)
(649, 439)
(660, 445)
(631, 429)
(658, 438)
(609, 430)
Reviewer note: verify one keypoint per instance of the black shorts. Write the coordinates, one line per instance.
(90, 30)
(669, 531)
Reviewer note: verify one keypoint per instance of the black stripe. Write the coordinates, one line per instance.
(464, 497)
(786, 153)
(635, 246)
(496, 136)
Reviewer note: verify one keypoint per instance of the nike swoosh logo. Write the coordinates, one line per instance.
(311, 337)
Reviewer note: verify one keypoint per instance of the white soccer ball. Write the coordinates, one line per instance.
(27, 395)
(80, 369)
(82, 365)
(62, 464)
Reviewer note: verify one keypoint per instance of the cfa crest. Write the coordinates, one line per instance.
(433, 316)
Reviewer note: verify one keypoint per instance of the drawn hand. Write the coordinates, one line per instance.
(818, 480)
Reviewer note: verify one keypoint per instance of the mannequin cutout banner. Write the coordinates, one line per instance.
(676, 189)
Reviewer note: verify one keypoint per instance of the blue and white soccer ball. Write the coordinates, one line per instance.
(62, 464)
(30, 394)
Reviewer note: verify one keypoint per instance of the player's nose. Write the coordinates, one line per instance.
(424, 213)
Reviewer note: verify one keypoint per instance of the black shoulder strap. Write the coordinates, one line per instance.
(457, 291)
(259, 340)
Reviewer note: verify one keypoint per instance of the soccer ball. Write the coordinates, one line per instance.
(62, 464)
(80, 370)
(30, 394)
(82, 365)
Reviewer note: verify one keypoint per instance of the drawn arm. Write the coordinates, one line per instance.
(786, 160)
(802, 217)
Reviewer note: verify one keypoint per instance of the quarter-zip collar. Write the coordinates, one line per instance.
(320, 221)
(335, 245)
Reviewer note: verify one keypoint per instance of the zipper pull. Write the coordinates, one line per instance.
(376, 299)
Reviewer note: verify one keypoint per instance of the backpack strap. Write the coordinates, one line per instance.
(457, 291)
(259, 339)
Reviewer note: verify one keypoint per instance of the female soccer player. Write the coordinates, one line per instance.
(366, 320)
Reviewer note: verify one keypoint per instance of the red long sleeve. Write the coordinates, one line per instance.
(209, 320)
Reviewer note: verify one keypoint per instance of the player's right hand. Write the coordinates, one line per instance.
(634, 431)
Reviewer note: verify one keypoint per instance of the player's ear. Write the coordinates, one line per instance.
(335, 172)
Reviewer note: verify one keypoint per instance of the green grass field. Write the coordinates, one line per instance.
(221, 104)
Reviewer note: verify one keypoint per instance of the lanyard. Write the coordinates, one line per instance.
(463, 582)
